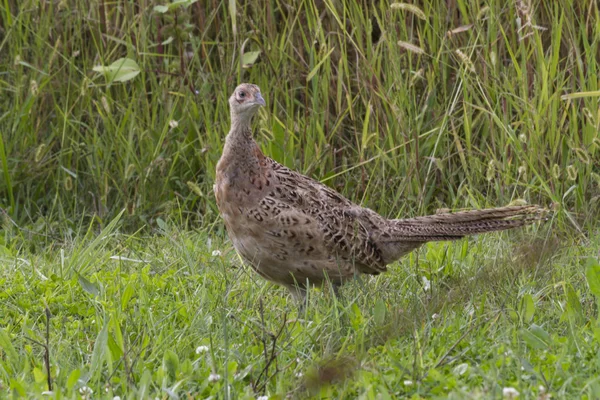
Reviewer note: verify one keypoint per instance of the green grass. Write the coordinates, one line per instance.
(403, 109)
(501, 310)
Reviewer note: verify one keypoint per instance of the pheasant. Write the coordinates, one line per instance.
(297, 232)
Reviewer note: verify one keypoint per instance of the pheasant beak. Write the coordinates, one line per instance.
(258, 99)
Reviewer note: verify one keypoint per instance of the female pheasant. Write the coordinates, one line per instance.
(295, 231)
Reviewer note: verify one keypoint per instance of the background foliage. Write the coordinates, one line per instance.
(403, 108)
(116, 280)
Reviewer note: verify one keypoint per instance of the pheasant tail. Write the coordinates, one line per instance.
(451, 226)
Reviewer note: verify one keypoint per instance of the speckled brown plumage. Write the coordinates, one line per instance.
(295, 231)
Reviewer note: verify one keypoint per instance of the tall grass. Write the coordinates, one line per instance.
(404, 108)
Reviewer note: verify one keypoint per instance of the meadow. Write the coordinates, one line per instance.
(117, 279)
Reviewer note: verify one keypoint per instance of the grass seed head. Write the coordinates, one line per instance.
(572, 172)
(583, 155)
(410, 8)
(411, 47)
(39, 152)
(556, 171)
(465, 60)
(68, 183)
(491, 171)
(33, 88)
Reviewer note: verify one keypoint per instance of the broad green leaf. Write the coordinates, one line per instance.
(161, 9)
(116, 351)
(144, 385)
(161, 224)
(122, 70)
(17, 387)
(91, 288)
(38, 375)
(531, 340)
(181, 3)
(249, 58)
(541, 334)
(594, 388)
(383, 394)
(7, 347)
(528, 308)
(573, 304)
(379, 313)
(174, 5)
(535, 337)
(526, 365)
(127, 295)
(100, 347)
(592, 275)
(73, 378)
(232, 367)
(116, 329)
(171, 363)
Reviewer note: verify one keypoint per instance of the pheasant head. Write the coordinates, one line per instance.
(245, 102)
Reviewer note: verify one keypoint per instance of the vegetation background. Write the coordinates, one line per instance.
(113, 114)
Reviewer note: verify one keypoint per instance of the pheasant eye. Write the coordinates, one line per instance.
(242, 94)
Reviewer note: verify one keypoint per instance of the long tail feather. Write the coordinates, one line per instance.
(452, 226)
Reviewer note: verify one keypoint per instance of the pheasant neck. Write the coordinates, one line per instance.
(240, 148)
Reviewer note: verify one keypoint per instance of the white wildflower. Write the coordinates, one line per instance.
(85, 391)
(173, 124)
(216, 253)
(408, 382)
(509, 392)
(460, 369)
(117, 398)
(214, 377)
(426, 283)
(262, 398)
(435, 316)
(201, 349)
(299, 374)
